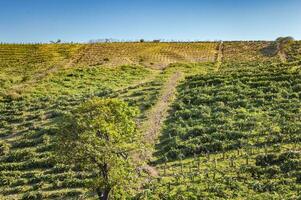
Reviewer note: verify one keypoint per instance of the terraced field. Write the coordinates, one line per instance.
(293, 51)
(28, 124)
(232, 130)
(233, 136)
(28, 62)
(156, 55)
(248, 52)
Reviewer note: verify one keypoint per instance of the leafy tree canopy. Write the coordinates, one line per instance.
(99, 136)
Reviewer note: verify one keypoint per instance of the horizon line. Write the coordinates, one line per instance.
(101, 41)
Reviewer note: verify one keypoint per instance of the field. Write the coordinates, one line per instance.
(221, 120)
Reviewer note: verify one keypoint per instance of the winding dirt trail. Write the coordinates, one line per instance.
(155, 117)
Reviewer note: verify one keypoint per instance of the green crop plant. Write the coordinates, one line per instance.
(231, 132)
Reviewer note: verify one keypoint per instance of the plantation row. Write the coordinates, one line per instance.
(23, 63)
(149, 54)
(20, 64)
(248, 121)
(28, 167)
(28, 61)
(267, 173)
(293, 51)
(223, 112)
(248, 52)
(233, 129)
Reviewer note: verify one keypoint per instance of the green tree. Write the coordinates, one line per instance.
(283, 42)
(99, 136)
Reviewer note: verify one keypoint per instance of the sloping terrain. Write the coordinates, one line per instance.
(21, 63)
(248, 52)
(232, 131)
(293, 51)
(156, 55)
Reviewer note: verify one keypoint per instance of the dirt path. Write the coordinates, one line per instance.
(155, 117)
(158, 112)
(219, 57)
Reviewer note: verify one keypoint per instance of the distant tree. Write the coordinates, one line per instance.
(279, 45)
(142, 40)
(98, 137)
(56, 42)
(285, 39)
(156, 41)
(282, 42)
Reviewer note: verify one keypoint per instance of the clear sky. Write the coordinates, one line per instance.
(82, 20)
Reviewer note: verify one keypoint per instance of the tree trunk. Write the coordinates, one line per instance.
(103, 194)
(99, 193)
(106, 194)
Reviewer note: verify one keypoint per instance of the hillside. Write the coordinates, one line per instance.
(232, 116)
(156, 55)
(245, 125)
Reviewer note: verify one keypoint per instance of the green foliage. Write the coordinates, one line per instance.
(283, 42)
(266, 160)
(215, 113)
(238, 130)
(29, 123)
(20, 64)
(4, 148)
(225, 119)
(32, 196)
(99, 136)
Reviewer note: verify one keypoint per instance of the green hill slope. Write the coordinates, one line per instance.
(234, 135)
(234, 122)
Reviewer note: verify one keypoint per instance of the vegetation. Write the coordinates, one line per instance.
(283, 42)
(293, 51)
(29, 124)
(244, 52)
(20, 64)
(99, 136)
(232, 131)
(233, 134)
(152, 54)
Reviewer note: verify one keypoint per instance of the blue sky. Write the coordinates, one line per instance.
(82, 20)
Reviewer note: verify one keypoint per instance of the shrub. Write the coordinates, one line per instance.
(4, 180)
(19, 155)
(32, 196)
(4, 148)
(282, 42)
(272, 171)
(297, 88)
(173, 153)
(290, 165)
(266, 160)
(289, 155)
(46, 139)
